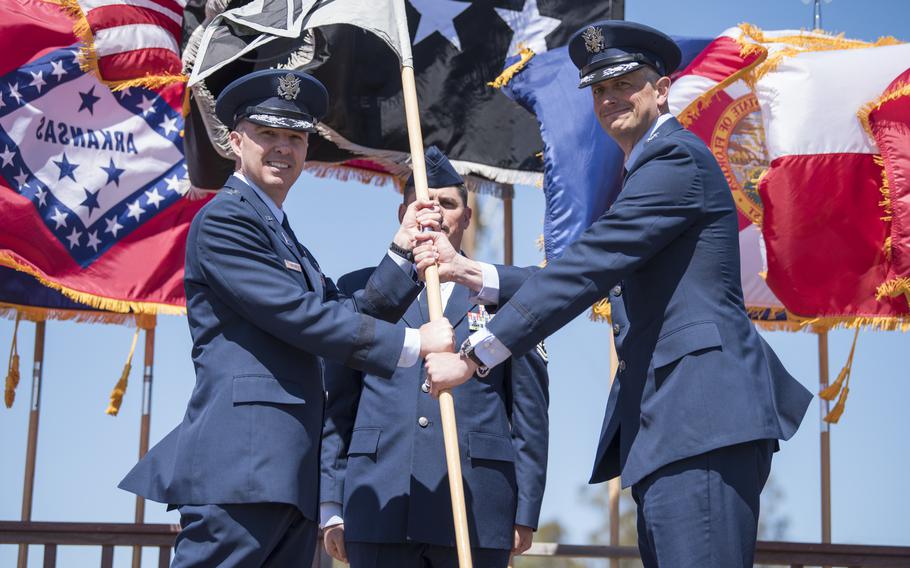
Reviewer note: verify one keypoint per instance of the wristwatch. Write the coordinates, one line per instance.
(404, 253)
(467, 351)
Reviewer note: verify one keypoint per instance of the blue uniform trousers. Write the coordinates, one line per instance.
(702, 511)
(245, 535)
(419, 555)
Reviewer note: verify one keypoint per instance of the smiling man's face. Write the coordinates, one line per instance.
(272, 158)
(626, 106)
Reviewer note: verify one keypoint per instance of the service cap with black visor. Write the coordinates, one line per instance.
(280, 98)
(611, 48)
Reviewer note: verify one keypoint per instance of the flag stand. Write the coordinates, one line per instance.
(434, 300)
(147, 373)
(31, 451)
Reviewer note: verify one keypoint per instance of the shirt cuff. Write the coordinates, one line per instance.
(410, 352)
(489, 290)
(330, 514)
(489, 349)
(402, 262)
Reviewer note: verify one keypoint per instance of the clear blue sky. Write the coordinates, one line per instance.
(83, 452)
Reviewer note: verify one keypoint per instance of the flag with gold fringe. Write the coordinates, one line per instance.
(92, 183)
(127, 43)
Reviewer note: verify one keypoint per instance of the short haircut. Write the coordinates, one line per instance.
(462, 192)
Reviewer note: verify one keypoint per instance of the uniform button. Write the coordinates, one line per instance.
(425, 387)
(423, 421)
(622, 366)
(616, 329)
(617, 290)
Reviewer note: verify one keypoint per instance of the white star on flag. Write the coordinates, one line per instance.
(41, 194)
(7, 156)
(125, 92)
(147, 105)
(438, 16)
(153, 198)
(73, 238)
(21, 178)
(93, 241)
(59, 217)
(58, 70)
(112, 226)
(529, 28)
(173, 183)
(168, 125)
(135, 210)
(14, 92)
(37, 80)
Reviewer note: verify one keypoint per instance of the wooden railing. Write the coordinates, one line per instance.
(160, 536)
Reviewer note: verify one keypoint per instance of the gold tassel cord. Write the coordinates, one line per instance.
(12, 376)
(120, 388)
(499, 82)
(840, 386)
(601, 311)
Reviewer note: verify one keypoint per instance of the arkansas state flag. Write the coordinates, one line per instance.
(92, 182)
(828, 211)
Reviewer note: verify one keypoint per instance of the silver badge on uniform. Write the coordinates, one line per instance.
(290, 264)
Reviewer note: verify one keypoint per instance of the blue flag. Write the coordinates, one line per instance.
(582, 165)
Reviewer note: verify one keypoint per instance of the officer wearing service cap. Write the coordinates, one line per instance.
(243, 466)
(700, 401)
(384, 488)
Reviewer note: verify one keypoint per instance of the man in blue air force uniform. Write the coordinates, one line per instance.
(383, 454)
(243, 466)
(700, 400)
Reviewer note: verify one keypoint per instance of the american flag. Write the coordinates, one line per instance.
(130, 43)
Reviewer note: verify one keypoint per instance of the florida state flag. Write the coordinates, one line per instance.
(810, 130)
(92, 182)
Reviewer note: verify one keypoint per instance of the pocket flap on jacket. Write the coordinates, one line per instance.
(490, 447)
(364, 441)
(687, 339)
(266, 389)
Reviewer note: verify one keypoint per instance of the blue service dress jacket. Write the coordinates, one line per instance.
(262, 316)
(383, 455)
(694, 374)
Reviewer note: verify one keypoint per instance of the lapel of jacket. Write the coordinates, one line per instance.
(669, 126)
(458, 305)
(275, 226)
(414, 315)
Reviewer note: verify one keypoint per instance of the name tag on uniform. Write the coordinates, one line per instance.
(293, 265)
(478, 320)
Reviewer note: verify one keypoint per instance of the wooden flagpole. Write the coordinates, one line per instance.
(434, 300)
(31, 451)
(145, 424)
(825, 437)
(613, 486)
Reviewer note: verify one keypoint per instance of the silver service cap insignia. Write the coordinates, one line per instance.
(594, 39)
(288, 87)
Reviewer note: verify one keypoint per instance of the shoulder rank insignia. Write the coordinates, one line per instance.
(288, 87)
(479, 319)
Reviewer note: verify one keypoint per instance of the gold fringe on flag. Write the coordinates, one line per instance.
(499, 82)
(91, 300)
(89, 58)
(601, 311)
(894, 288)
(12, 376)
(840, 386)
(120, 388)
